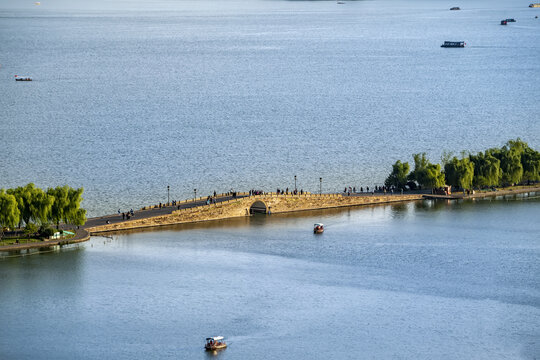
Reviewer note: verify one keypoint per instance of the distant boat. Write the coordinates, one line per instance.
(340, 2)
(534, 5)
(37, 3)
(215, 343)
(504, 22)
(22, 78)
(455, 8)
(318, 228)
(453, 44)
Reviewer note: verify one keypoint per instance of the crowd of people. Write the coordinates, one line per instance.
(292, 192)
(377, 189)
(212, 199)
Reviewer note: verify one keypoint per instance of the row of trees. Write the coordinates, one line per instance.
(513, 163)
(34, 207)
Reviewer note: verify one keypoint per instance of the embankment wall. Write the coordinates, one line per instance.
(274, 204)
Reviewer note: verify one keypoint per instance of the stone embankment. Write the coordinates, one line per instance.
(269, 203)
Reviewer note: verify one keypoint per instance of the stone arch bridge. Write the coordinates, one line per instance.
(249, 205)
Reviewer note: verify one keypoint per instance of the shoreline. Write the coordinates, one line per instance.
(233, 208)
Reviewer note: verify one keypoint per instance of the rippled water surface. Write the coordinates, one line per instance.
(129, 97)
(420, 280)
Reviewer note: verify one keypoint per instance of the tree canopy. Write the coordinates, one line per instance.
(511, 164)
(459, 172)
(398, 176)
(426, 174)
(530, 160)
(487, 169)
(35, 206)
(9, 211)
(66, 205)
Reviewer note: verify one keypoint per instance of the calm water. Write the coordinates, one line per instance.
(132, 96)
(414, 281)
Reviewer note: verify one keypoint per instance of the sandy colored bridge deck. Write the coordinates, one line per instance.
(270, 203)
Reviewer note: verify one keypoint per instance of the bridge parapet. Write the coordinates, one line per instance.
(240, 207)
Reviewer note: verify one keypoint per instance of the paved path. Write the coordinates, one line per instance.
(143, 214)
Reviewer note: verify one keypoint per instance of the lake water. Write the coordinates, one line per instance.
(131, 96)
(423, 280)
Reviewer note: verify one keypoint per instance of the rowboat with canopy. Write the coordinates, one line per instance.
(215, 343)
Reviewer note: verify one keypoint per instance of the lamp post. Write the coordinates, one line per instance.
(320, 185)
(168, 188)
(294, 182)
(195, 192)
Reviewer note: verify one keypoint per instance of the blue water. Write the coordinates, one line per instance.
(412, 281)
(129, 97)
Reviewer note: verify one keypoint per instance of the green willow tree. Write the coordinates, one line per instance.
(511, 168)
(36, 208)
(398, 176)
(487, 170)
(530, 160)
(9, 211)
(23, 195)
(459, 172)
(511, 164)
(66, 206)
(33, 203)
(426, 174)
(40, 207)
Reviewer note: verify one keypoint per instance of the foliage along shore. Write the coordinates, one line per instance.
(511, 164)
(37, 209)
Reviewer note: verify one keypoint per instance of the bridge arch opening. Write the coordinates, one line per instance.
(258, 207)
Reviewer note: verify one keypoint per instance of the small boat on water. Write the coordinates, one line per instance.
(534, 5)
(504, 22)
(22, 78)
(455, 8)
(215, 343)
(453, 44)
(318, 228)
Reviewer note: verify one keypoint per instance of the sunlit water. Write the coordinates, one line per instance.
(420, 280)
(132, 96)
